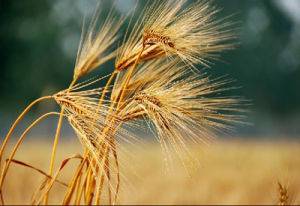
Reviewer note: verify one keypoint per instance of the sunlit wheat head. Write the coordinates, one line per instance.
(172, 28)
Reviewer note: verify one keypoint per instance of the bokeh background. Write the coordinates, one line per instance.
(38, 45)
(39, 39)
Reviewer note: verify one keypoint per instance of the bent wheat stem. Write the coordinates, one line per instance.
(5, 169)
(56, 138)
(50, 184)
(105, 160)
(74, 182)
(88, 186)
(106, 87)
(128, 76)
(21, 116)
(114, 149)
(106, 153)
(81, 189)
(103, 173)
(122, 94)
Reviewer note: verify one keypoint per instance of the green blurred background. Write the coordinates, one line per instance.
(39, 39)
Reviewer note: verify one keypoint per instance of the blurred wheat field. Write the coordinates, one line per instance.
(230, 172)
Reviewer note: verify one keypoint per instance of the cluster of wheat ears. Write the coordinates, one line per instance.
(155, 81)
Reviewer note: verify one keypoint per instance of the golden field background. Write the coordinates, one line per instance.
(229, 172)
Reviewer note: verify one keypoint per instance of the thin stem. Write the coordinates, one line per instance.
(107, 170)
(78, 185)
(73, 184)
(105, 160)
(88, 183)
(106, 87)
(24, 164)
(56, 138)
(4, 172)
(74, 181)
(106, 153)
(128, 76)
(114, 149)
(54, 148)
(50, 184)
(81, 188)
(99, 191)
(21, 116)
(91, 186)
(123, 89)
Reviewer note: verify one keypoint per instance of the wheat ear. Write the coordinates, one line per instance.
(283, 195)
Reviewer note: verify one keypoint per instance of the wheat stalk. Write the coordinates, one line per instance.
(91, 53)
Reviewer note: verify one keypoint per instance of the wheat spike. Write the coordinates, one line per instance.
(167, 29)
(283, 195)
(183, 106)
(95, 44)
(98, 128)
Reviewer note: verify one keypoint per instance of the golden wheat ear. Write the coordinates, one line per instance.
(175, 28)
(98, 129)
(184, 108)
(94, 50)
(96, 42)
(283, 195)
